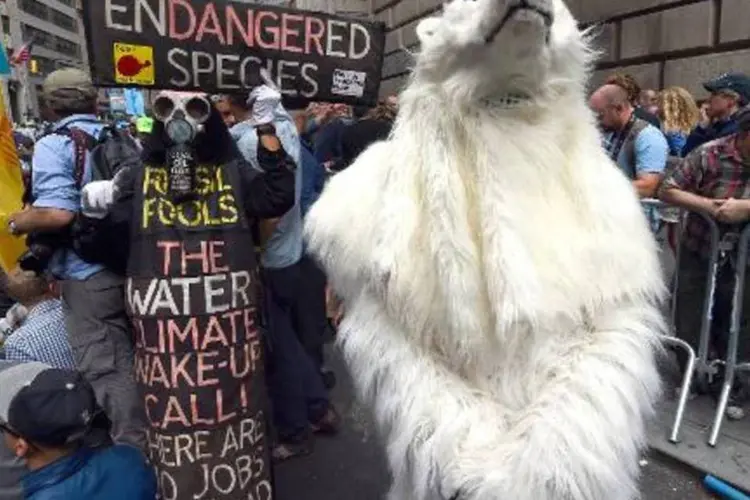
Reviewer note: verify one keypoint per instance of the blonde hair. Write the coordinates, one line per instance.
(679, 111)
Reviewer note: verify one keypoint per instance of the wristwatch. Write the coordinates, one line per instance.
(13, 229)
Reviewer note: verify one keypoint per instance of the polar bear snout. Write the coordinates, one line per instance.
(524, 10)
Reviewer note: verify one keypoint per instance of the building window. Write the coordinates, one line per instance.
(64, 21)
(50, 41)
(47, 13)
(34, 8)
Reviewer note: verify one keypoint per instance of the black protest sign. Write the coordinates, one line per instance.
(191, 294)
(219, 46)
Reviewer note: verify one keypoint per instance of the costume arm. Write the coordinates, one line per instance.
(270, 194)
(576, 433)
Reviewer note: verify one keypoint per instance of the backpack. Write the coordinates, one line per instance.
(100, 241)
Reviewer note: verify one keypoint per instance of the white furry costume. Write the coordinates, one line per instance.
(499, 277)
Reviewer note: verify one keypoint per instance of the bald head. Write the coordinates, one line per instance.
(612, 106)
(611, 95)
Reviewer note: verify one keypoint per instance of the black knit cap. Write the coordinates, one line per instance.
(46, 406)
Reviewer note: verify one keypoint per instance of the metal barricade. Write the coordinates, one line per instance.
(699, 366)
(731, 366)
(679, 343)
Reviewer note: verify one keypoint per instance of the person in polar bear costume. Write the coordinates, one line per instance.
(501, 286)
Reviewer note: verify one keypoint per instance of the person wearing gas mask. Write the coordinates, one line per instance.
(92, 296)
(191, 292)
(295, 299)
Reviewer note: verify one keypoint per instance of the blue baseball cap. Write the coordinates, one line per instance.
(735, 82)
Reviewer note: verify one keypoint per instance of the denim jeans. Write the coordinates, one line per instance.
(295, 385)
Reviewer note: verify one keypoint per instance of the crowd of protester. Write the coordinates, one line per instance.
(67, 387)
(65, 335)
(693, 155)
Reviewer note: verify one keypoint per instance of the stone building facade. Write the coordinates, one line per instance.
(660, 42)
(351, 8)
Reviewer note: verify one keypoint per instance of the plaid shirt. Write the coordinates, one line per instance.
(42, 337)
(717, 171)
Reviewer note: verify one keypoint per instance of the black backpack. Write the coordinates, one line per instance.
(102, 241)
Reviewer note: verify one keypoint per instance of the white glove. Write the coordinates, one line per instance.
(97, 197)
(264, 101)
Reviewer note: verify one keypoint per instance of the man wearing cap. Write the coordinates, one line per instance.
(713, 180)
(729, 92)
(48, 417)
(93, 297)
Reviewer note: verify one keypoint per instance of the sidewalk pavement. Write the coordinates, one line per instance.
(352, 465)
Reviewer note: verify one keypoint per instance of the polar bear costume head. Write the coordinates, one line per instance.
(485, 50)
(500, 280)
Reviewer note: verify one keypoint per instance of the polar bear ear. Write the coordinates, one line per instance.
(427, 28)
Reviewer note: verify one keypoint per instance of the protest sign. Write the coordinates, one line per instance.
(191, 293)
(218, 46)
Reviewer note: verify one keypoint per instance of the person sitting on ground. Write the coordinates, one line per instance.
(45, 416)
(42, 336)
(729, 93)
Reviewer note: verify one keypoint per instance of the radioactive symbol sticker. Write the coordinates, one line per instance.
(134, 64)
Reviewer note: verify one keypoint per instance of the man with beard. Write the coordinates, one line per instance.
(192, 294)
(638, 148)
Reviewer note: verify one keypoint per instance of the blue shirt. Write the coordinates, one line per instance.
(118, 472)
(676, 142)
(42, 337)
(313, 179)
(54, 186)
(651, 152)
(284, 248)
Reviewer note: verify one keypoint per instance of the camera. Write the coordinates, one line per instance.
(41, 248)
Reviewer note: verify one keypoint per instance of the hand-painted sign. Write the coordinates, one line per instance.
(218, 46)
(134, 64)
(192, 296)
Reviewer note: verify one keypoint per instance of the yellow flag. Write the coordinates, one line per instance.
(11, 191)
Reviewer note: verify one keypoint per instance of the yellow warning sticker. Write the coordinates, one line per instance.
(134, 64)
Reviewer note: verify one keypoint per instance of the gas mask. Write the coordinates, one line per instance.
(183, 115)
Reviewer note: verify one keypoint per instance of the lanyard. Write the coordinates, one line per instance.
(620, 137)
